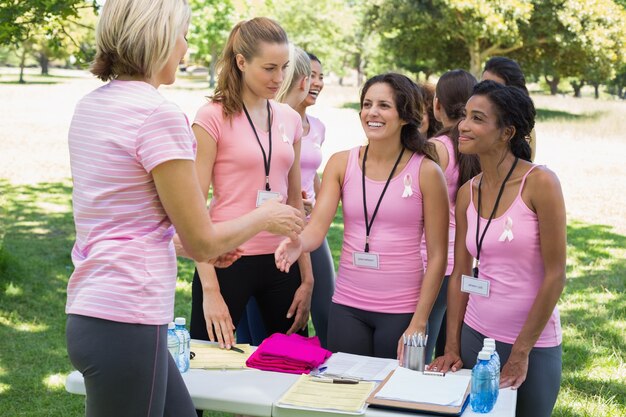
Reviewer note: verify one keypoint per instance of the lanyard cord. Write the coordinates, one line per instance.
(479, 243)
(267, 159)
(368, 225)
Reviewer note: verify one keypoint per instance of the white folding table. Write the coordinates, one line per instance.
(253, 392)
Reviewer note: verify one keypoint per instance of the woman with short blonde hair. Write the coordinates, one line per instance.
(136, 38)
(132, 156)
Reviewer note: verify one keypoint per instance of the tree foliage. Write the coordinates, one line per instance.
(437, 35)
(574, 39)
(20, 19)
(209, 28)
(327, 28)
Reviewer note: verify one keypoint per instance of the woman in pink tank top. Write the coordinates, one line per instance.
(453, 90)
(511, 218)
(392, 191)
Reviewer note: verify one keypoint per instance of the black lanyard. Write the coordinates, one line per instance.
(368, 225)
(479, 243)
(267, 159)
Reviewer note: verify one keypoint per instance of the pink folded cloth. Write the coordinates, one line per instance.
(292, 354)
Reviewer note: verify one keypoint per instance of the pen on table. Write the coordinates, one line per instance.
(207, 342)
(434, 373)
(334, 380)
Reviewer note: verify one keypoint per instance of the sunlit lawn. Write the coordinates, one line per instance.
(36, 235)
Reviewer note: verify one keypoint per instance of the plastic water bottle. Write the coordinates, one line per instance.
(173, 342)
(482, 397)
(495, 371)
(492, 343)
(496, 362)
(183, 336)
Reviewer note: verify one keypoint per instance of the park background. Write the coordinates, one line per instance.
(573, 53)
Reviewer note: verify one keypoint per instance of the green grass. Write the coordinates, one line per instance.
(36, 236)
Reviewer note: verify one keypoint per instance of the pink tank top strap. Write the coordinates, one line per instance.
(471, 192)
(353, 159)
(521, 187)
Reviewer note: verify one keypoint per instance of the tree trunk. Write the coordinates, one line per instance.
(476, 64)
(22, 63)
(360, 66)
(212, 68)
(596, 90)
(577, 86)
(44, 62)
(554, 84)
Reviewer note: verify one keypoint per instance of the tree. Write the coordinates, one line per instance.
(443, 34)
(327, 28)
(617, 85)
(19, 19)
(575, 39)
(208, 31)
(56, 40)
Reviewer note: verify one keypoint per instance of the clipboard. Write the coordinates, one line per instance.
(306, 394)
(444, 410)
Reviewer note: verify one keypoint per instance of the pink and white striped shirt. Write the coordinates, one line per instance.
(125, 263)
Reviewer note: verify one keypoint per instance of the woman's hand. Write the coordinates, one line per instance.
(451, 360)
(514, 371)
(227, 259)
(300, 307)
(219, 324)
(287, 253)
(282, 219)
(308, 204)
(410, 331)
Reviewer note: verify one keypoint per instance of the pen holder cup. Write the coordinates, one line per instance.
(414, 357)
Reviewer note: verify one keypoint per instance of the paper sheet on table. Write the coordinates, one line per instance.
(414, 386)
(210, 356)
(357, 366)
(345, 398)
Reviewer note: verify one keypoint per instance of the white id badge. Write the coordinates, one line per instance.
(262, 196)
(365, 260)
(475, 286)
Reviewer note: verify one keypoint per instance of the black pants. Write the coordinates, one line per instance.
(251, 329)
(127, 368)
(537, 395)
(250, 276)
(368, 333)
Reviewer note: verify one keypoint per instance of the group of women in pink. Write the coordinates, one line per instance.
(417, 211)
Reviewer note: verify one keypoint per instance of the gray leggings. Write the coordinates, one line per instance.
(436, 321)
(127, 368)
(368, 333)
(323, 289)
(537, 395)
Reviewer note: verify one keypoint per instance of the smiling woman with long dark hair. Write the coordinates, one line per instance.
(392, 192)
(512, 219)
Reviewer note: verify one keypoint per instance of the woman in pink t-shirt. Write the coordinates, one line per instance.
(392, 192)
(511, 218)
(248, 151)
(303, 82)
(132, 158)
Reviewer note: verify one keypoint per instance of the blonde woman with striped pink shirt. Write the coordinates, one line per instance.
(132, 157)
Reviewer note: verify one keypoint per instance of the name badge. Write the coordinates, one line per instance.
(365, 260)
(475, 286)
(262, 196)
